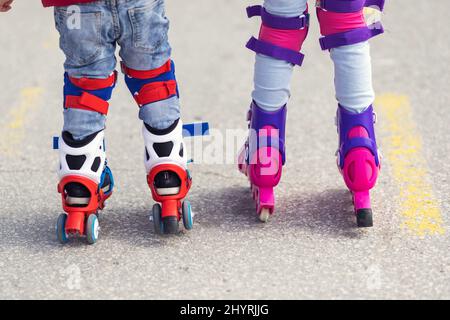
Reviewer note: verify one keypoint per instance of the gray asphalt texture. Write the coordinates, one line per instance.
(311, 248)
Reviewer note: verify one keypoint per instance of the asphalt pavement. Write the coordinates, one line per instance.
(311, 248)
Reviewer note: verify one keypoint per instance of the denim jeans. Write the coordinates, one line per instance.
(352, 65)
(89, 34)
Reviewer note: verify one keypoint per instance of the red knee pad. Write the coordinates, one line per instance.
(88, 93)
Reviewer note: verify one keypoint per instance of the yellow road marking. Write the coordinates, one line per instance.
(402, 147)
(13, 132)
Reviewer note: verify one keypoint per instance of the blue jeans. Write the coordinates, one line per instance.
(352, 65)
(89, 34)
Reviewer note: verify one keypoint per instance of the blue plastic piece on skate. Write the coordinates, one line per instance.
(189, 130)
(55, 143)
(196, 129)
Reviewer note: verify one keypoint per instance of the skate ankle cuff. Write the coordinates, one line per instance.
(267, 129)
(346, 122)
(85, 158)
(168, 147)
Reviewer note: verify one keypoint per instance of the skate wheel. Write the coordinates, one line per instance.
(264, 214)
(364, 218)
(186, 211)
(170, 225)
(157, 221)
(61, 229)
(92, 229)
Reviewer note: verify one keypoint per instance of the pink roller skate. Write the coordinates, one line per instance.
(358, 159)
(262, 157)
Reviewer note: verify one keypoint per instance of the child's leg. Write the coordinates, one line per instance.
(150, 76)
(346, 35)
(284, 28)
(273, 75)
(88, 83)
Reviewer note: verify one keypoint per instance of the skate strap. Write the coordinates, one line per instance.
(94, 84)
(345, 6)
(346, 122)
(147, 74)
(351, 37)
(278, 22)
(87, 101)
(274, 51)
(195, 129)
(156, 91)
(359, 143)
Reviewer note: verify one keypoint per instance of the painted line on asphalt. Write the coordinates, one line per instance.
(402, 148)
(13, 131)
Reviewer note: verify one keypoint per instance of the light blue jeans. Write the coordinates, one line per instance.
(352, 67)
(89, 34)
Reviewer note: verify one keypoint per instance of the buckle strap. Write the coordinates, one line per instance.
(147, 74)
(274, 51)
(347, 6)
(358, 143)
(92, 84)
(277, 22)
(156, 91)
(351, 37)
(87, 101)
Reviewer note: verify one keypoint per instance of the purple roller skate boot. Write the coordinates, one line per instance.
(263, 155)
(358, 159)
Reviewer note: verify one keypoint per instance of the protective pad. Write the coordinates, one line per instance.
(150, 86)
(280, 37)
(342, 22)
(88, 93)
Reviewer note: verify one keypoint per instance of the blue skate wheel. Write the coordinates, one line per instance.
(61, 233)
(92, 229)
(187, 215)
(157, 220)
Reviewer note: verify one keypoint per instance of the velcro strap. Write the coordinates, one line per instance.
(278, 22)
(88, 102)
(351, 37)
(94, 84)
(346, 6)
(276, 52)
(148, 74)
(359, 143)
(156, 91)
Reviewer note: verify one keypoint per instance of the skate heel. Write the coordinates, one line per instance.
(265, 202)
(360, 170)
(170, 209)
(75, 223)
(360, 175)
(363, 210)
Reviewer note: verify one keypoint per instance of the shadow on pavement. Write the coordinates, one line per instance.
(328, 212)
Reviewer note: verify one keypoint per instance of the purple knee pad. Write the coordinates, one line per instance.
(280, 37)
(342, 22)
